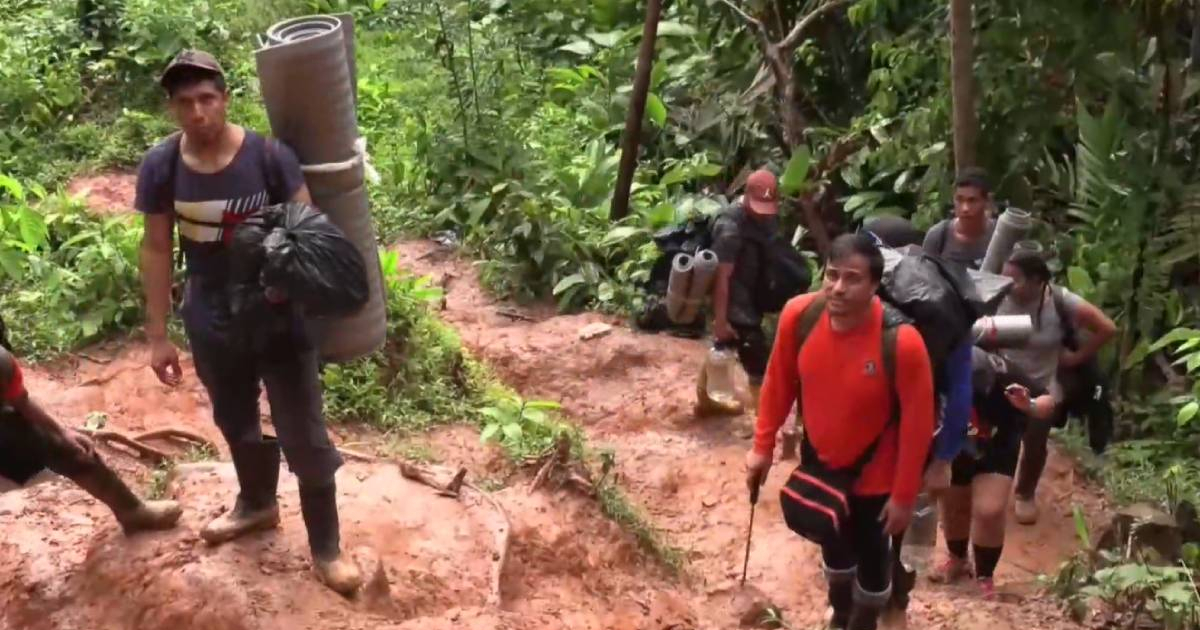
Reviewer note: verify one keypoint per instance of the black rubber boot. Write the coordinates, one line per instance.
(256, 508)
(318, 506)
(841, 598)
(904, 580)
(867, 606)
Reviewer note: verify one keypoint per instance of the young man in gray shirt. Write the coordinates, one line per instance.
(207, 180)
(965, 237)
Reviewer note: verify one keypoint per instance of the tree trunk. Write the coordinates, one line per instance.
(962, 62)
(1195, 65)
(637, 111)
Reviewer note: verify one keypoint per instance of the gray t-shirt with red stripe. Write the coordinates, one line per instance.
(207, 206)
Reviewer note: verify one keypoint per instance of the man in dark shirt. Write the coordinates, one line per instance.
(965, 237)
(739, 236)
(32, 441)
(207, 180)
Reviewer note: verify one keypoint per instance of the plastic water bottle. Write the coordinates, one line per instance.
(720, 368)
(921, 537)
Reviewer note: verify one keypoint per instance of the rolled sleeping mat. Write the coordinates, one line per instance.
(1012, 226)
(1002, 331)
(677, 286)
(308, 89)
(347, 338)
(306, 86)
(704, 273)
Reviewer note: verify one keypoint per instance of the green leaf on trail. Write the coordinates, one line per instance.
(10, 261)
(618, 234)
(13, 187)
(489, 432)
(582, 47)
(567, 283)
(513, 431)
(95, 420)
(606, 292)
(1081, 528)
(544, 405)
(1187, 413)
(796, 172)
(670, 28)
(607, 40)
(1175, 336)
(656, 110)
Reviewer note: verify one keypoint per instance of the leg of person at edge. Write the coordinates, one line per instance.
(737, 321)
(846, 404)
(1033, 294)
(32, 441)
(219, 174)
(1006, 402)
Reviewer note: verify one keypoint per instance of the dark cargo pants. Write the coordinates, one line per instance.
(232, 372)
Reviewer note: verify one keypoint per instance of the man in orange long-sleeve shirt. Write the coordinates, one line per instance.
(847, 401)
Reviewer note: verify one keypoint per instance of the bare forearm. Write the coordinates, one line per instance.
(156, 286)
(721, 299)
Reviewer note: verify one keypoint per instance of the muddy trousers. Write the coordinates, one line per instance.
(859, 567)
(1034, 446)
(26, 450)
(293, 383)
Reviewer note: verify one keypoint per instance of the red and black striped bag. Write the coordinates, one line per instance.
(816, 498)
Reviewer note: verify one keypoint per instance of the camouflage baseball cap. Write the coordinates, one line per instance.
(191, 59)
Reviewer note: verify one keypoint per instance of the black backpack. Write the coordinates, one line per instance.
(1085, 387)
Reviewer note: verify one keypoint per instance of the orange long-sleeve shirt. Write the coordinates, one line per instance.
(847, 399)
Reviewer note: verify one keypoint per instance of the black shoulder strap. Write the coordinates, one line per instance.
(175, 144)
(270, 162)
(940, 246)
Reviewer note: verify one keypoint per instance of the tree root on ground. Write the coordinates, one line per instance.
(450, 483)
(557, 466)
(137, 443)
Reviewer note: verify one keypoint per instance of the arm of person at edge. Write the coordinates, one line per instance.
(1088, 316)
(779, 392)
(914, 388)
(28, 410)
(726, 244)
(1029, 398)
(158, 246)
(957, 415)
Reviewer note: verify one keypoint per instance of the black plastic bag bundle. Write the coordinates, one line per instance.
(939, 296)
(302, 253)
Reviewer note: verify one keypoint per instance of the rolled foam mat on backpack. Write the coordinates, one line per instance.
(704, 271)
(677, 286)
(347, 338)
(306, 72)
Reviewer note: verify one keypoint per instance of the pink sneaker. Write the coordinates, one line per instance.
(987, 588)
(951, 570)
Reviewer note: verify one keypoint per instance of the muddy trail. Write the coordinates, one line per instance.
(65, 565)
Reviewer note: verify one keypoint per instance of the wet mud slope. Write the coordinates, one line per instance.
(634, 391)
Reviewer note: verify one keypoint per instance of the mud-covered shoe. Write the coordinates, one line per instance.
(340, 574)
(150, 516)
(240, 521)
(987, 588)
(1026, 511)
(951, 570)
